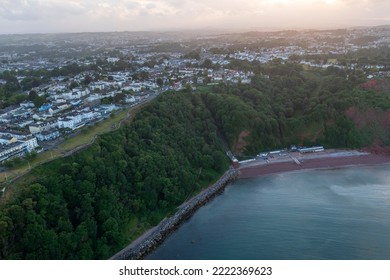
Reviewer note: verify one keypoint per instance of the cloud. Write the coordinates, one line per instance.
(26, 10)
(95, 15)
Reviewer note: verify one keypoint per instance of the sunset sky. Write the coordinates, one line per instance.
(40, 16)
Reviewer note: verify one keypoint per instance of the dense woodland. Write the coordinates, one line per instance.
(87, 206)
(288, 105)
(91, 204)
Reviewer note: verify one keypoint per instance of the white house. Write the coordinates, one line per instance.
(97, 85)
(30, 143)
(41, 126)
(48, 135)
(67, 123)
(75, 120)
(27, 104)
(77, 93)
(17, 148)
(130, 99)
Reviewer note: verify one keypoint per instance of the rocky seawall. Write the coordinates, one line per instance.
(156, 236)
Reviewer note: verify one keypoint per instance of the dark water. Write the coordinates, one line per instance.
(323, 214)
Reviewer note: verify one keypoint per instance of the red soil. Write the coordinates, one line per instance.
(241, 143)
(278, 167)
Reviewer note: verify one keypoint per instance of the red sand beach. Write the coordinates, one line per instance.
(330, 159)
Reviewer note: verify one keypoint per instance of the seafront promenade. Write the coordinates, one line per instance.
(296, 161)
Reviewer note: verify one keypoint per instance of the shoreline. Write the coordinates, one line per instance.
(326, 160)
(329, 159)
(153, 237)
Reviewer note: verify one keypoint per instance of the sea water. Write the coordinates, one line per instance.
(318, 214)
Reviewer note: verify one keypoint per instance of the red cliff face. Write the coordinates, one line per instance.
(241, 143)
(378, 85)
(365, 118)
(377, 122)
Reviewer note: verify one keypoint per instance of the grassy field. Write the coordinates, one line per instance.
(332, 60)
(85, 137)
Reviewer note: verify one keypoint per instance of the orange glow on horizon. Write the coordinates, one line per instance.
(141, 15)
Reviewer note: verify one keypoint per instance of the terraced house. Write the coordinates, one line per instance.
(10, 147)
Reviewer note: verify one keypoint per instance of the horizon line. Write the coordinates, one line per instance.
(204, 29)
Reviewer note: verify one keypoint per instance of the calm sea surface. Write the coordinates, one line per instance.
(318, 214)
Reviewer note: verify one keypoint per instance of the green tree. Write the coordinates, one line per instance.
(160, 82)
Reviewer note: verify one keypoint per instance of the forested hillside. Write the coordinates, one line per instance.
(87, 206)
(293, 106)
(90, 205)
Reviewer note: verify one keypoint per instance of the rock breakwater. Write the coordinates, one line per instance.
(168, 225)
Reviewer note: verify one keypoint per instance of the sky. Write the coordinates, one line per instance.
(52, 16)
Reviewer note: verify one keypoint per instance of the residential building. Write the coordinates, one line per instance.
(48, 135)
(17, 148)
(41, 126)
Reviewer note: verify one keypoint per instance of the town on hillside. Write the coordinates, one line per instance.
(52, 85)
